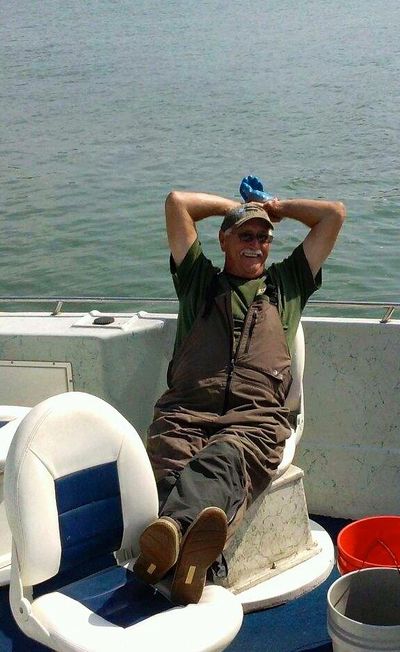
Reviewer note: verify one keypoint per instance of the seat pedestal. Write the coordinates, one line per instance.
(275, 536)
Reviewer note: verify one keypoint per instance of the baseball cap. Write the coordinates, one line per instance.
(241, 214)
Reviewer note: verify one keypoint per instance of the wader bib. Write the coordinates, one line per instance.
(218, 431)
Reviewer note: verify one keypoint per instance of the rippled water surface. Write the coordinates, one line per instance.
(108, 105)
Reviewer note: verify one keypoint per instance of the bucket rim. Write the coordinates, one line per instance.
(347, 577)
(365, 519)
(357, 561)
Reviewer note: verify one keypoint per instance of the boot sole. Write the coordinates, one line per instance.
(201, 545)
(159, 550)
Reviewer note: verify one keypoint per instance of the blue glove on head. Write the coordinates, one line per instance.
(252, 189)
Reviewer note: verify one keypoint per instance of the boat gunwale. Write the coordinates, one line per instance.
(389, 307)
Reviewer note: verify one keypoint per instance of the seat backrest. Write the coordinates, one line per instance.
(78, 484)
(10, 418)
(295, 401)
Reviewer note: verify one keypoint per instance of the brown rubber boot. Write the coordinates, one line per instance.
(201, 545)
(159, 549)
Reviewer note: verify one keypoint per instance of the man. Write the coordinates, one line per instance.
(219, 429)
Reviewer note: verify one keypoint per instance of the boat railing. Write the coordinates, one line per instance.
(168, 304)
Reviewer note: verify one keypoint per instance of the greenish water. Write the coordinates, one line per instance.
(108, 105)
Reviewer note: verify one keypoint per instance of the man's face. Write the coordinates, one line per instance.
(246, 248)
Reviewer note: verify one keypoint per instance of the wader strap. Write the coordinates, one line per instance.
(271, 291)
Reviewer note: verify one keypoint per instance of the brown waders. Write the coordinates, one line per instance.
(218, 432)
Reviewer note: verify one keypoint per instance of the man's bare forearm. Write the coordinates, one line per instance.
(308, 211)
(198, 205)
(183, 210)
(324, 219)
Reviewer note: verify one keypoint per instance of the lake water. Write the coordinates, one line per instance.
(108, 105)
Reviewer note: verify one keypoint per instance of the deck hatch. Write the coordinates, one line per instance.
(27, 382)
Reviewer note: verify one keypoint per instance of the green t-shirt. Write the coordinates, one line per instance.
(292, 277)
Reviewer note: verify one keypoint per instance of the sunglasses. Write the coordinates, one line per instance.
(248, 237)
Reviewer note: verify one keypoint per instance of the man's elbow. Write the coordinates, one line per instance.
(174, 199)
(336, 215)
(340, 211)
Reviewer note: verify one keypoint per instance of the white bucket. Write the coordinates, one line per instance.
(364, 611)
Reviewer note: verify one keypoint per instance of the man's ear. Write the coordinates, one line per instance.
(221, 236)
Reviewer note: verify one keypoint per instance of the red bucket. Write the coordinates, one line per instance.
(372, 542)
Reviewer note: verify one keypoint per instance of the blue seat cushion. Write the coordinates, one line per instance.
(118, 596)
(89, 514)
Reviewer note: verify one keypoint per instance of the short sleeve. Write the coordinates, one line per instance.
(191, 279)
(295, 283)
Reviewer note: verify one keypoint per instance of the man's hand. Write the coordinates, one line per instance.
(274, 209)
(252, 189)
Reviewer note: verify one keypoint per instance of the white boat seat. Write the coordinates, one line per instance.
(10, 418)
(79, 490)
(294, 402)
